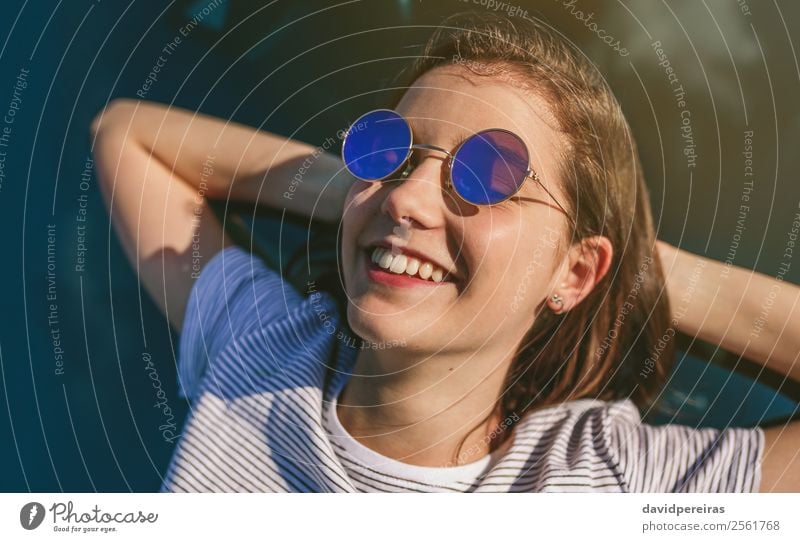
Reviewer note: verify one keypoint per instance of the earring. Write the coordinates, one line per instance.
(558, 301)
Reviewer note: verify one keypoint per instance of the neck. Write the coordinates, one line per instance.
(417, 408)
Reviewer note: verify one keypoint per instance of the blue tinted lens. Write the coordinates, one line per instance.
(376, 145)
(489, 167)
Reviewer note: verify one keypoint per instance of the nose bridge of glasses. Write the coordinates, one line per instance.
(448, 159)
(431, 148)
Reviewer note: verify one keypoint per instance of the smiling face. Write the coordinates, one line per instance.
(499, 262)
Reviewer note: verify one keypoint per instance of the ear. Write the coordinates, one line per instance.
(586, 263)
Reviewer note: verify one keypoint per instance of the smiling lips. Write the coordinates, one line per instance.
(401, 264)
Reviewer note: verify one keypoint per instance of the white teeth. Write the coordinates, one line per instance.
(425, 270)
(386, 260)
(412, 266)
(400, 263)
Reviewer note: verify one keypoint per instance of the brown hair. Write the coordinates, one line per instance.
(615, 343)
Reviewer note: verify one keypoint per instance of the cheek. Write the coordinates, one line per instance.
(510, 265)
(493, 245)
(358, 208)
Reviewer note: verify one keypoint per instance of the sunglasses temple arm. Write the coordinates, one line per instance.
(536, 178)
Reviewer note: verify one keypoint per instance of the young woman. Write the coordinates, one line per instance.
(507, 313)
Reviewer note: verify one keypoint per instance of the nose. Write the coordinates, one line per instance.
(418, 195)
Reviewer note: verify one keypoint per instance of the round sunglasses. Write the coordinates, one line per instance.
(487, 168)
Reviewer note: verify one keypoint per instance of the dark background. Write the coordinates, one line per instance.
(306, 69)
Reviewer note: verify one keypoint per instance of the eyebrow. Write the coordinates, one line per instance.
(452, 141)
(458, 138)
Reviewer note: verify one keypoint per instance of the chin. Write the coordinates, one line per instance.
(380, 329)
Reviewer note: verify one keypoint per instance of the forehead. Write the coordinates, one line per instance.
(450, 102)
(453, 99)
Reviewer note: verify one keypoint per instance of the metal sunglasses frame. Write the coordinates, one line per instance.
(529, 172)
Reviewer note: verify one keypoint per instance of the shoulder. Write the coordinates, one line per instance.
(594, 411)
(240, 288)
(606, 444)
(244, 321)
(568, 447)
(680, 458)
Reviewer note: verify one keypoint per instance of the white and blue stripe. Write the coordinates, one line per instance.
(252, 360)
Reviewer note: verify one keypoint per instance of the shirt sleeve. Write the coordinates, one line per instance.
(234, 293)
(680, 459)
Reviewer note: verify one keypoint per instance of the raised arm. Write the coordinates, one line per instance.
(750, 314)
(746, 312)
(157, 167)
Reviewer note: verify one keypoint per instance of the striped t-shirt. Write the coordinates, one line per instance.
(253, 356)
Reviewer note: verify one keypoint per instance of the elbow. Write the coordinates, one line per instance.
(113, 114)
